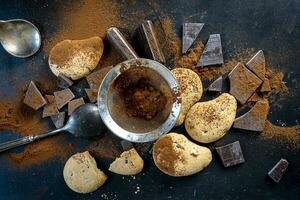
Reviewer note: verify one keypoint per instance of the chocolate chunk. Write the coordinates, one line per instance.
(148, 42)
(58, 119)
(255, 97)
(212, 53)
(74, 104)
(63, 81)
(254, 119)
(216, 86)
(63, 97)
(92, 94)
(243, 83)
(257, 64)
(51, 107)
(265, 87)
(278, 170)
(95, 79)
(126, 145)
(231, 154)
(33, 97)
(189, 34)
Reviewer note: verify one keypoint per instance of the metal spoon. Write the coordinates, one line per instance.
(19, 37)
(85, 121)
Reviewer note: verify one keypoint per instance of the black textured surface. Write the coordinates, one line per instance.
(271, 25)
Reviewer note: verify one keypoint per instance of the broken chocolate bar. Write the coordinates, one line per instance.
(243, 83)
(58, 119)
(63, 97)
(126, 145)
(265, 87)
(257, 64)
(148, 42)
(216, 86)
(190, 32)
(212, 53)
(231, 154)
(95, 79)
(63, 81)
(74, 104)
(51, 107)
(92, 94)
(33, 97)
(278, 170)
(254, 119)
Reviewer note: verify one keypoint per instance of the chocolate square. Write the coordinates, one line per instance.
(278, 170)
(231, 154)
(63, 81)
(74, 104)
(58, 119)
(63, 97)
(95, 79)
(51, 107)
(33, 97)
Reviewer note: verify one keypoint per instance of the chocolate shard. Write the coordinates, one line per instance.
(254, 119)
(58, 119)
(126, 145)
(148, 41)
(95, 79)
(92, 94)
(243, 83)
(118, 41)
(33, 97)
(51, 107)
(265, 87)
(212, 54)
(189, 34)
(74, 104)
(216, 86)
(63, 97)
(231, 154)
(278, 170)
(63, 81)
(257, 64)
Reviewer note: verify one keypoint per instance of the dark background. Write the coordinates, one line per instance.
(271, 25)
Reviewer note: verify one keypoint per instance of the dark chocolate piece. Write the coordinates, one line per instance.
(117, 40)
(257, 64)
(92, 94)
(63, 97)
(243, 83)
(212, 53)
(265, 87)
(51, 107)
(33, 97)
(148, 41)
(95, 79)
(216, 86)
(74, 104)
(189, 34)
(254, 119)
(278, 170)
(63, 81)
(58, 119)
(126, 145)
(231, 154)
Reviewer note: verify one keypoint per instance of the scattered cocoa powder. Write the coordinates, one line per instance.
(282, 134)
(165, 155)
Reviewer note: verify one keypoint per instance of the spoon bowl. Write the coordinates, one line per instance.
(19, 37)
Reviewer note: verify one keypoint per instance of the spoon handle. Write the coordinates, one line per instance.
(25, 140)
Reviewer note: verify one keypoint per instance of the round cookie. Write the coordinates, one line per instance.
(175, 155)
(209, 121)
(81, 173)
(76, 58)
(129, 163)
(191, 90)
